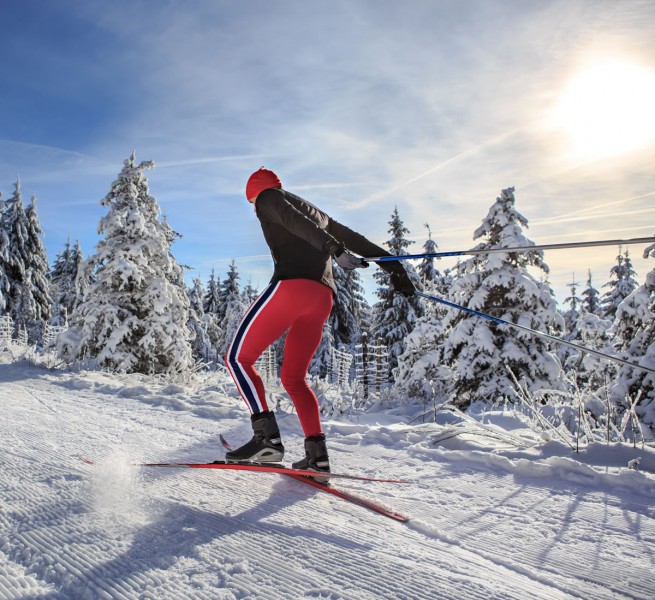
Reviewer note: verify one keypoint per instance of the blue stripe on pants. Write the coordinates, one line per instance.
(244, 382)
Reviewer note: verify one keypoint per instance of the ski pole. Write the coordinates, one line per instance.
(559, 340)
(627, 242)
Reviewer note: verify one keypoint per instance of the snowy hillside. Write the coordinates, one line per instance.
(489, 518)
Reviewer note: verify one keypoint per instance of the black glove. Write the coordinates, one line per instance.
(349, 261)
(402, 284)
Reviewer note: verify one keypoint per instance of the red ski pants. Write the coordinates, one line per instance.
(300, 307)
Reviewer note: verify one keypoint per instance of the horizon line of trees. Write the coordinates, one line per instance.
(128, 308)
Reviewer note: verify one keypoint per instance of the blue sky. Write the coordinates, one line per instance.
(358, 105)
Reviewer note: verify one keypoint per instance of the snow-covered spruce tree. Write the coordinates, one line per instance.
(211, 301)
(233, 306)
(228, 289)
(14, 234)
(478, 350)
(427, 272)
(39, 277)
(26, 268)
(211, 322)
(591, 298)
(571, 332)
(250, 293)
(134, 314)
(592, 373)
(215, 306)
(63, 282)
(590, 331)
(4, 260)
(196, 294)
(420, 374)
(432, 279)
(394, 315)
(344, 325)
(349, 306)
(634, 338)
(574, 302)
(620, 286)
(200, 345)
(322, 359)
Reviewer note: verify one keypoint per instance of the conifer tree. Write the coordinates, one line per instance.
(63, 282)
(200, 344)
(432, 279)
(29, 302)
(39, 272)
(427, 272)
(593, 373)
(249, 293)
(228, 290)
(590, 298)
(211, 302)
(572, 315)
(395, 315)
(4, 259)
(15, 232)
(569, 356)
(322, 359)
(479, 351)
(134, 315)
(232, 307)
(620, 286)
(349, 305)
(420, 373)
(196, 294)
(344, 325)
(212, 307)
(634, 338)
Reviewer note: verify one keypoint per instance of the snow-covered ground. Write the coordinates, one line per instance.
(489, 519)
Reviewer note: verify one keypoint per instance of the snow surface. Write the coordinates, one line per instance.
(495, 512)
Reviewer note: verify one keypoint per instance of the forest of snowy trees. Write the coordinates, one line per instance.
(127, 307)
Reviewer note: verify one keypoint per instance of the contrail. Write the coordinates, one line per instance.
(434, 169)
(575, 217)
(582, 211)
(202, 161)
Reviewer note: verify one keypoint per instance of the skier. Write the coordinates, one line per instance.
(303, 240)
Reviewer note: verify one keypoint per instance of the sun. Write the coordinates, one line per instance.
(608, 109)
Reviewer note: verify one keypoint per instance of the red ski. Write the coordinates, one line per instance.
(348, 496)
(300, 475)
(258, 467)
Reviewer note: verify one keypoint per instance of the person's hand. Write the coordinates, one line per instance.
(402, 284)
(349, 261)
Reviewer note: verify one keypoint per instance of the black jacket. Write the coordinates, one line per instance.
(303, 238)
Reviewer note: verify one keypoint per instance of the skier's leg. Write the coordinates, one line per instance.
(314, 302)
(261, 325)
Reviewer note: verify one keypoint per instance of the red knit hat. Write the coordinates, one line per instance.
(261, 180)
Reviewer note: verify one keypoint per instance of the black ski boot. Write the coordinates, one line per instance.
(316, 457)
(265, 445)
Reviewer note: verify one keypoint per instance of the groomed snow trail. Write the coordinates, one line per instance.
(483, 525)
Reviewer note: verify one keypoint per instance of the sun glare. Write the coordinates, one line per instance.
(608, 110)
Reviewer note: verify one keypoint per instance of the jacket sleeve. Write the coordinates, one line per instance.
(357, 243)
(275, 208)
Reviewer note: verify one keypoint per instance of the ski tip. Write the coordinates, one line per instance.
(87, 461)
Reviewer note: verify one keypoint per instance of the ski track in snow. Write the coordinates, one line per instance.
(482, 526)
